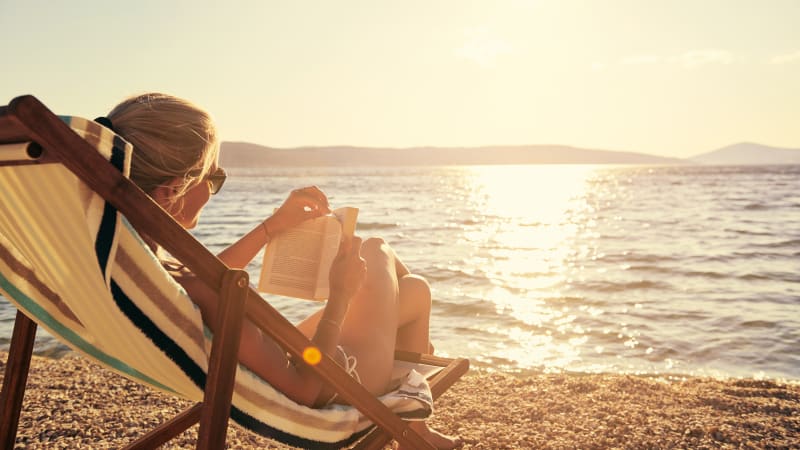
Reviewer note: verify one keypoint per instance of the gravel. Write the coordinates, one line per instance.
(73, 403)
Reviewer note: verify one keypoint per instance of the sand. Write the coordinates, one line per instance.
(72, 403)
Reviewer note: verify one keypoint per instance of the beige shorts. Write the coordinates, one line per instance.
(350, 363)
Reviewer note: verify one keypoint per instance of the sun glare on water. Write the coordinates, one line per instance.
(532, 215)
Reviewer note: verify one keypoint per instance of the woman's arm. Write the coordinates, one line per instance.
(259, 353)
(302, 204)
(241, 252)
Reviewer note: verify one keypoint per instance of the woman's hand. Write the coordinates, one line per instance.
(301, 205)
(348, 272)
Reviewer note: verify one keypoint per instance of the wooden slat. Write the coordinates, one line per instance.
(15, 378)
(452, 373)
(10, 129)
(223, 361)
(166, 431)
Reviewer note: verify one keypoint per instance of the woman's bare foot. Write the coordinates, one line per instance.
(439, 440)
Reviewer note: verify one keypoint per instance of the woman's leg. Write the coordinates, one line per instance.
(414, 315)
(387, 313)
(413, 307)
(369, 327)
(413, 335)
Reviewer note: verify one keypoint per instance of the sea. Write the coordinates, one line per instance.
(682, 270)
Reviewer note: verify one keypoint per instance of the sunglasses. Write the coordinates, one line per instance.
(216, 180)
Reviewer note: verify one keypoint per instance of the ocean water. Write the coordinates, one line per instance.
(686, 270)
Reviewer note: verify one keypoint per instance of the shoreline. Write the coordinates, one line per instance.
(71, 403)
(63, 351)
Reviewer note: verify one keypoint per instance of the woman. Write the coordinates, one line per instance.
(376, 305)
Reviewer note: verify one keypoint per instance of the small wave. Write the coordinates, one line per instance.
(787, 277)
(772, 299)
(444, 274)
(704, 274)
(706, 352)
(743, 256)
(45, 346)
(531, 224)
(569, 300)
(756, 324)
(648, 268)
(470, 222)
(630, 258)
(464, 308)
(669, 316)
(495, 362)
(376, 226)
(608, 286)
(780, 244)
(756, 207)
(665, 270)
(747, 232)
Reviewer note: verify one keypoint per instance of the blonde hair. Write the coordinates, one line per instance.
(172, 139)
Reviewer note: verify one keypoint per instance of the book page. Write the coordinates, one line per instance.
(330, 248)
(291, 260)
(297, 262)
(348, 216)
(344, 229)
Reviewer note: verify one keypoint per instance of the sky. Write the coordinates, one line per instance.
(671, 78)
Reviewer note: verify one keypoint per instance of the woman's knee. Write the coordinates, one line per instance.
(376, 251)
(380, 267)
(372, 245)
(415, 288)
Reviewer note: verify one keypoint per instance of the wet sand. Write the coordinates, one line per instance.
(71, 403)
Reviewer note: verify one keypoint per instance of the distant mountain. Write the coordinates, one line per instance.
(242, 154)
(749, 153)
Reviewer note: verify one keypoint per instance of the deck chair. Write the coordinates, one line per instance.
(72, 261)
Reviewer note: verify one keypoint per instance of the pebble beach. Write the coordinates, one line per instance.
(73, 403)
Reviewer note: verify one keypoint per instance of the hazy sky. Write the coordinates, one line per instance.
(672, 77)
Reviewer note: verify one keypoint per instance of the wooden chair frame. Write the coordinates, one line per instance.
(26, 119)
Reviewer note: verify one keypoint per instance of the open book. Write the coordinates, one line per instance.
(298, 261)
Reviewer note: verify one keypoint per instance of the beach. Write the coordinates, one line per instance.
(73, 403)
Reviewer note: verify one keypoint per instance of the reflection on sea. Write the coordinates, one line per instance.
(530, 216)
(624, 269)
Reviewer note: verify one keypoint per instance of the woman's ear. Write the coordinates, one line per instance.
(166, 194)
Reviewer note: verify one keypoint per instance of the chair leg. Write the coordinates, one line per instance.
(168, 430)
(16, 376)
(223, 361)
